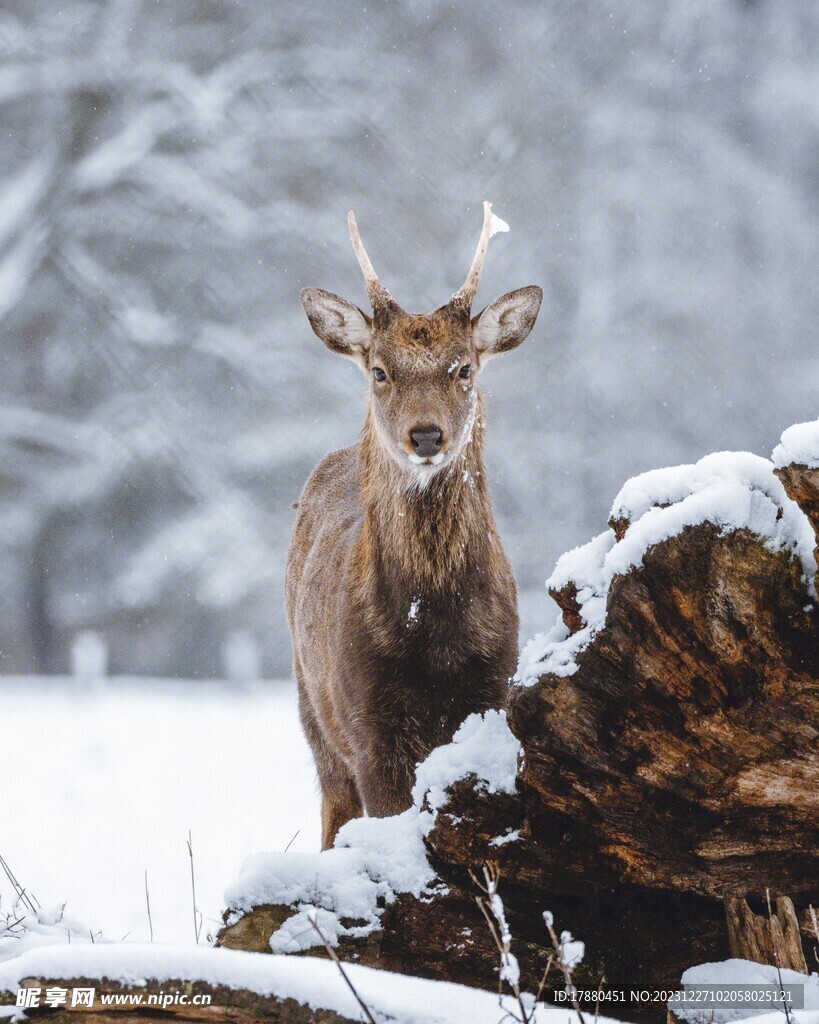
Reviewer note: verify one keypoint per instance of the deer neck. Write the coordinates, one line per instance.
(425, 533)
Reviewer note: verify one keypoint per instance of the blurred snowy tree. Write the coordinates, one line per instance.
(174, 172)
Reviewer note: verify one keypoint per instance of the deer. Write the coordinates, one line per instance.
(400, 599)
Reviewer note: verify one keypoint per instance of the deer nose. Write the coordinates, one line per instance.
(426, 441)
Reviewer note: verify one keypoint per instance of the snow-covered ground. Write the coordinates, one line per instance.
(100, 785)
(397, 998)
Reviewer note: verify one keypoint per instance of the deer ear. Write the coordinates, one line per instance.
(504, 324)
(341, 326)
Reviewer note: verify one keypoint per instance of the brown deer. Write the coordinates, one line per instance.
(401, 602)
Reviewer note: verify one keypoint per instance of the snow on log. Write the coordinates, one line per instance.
(682, 732)
(378, 872)
(243, 988)
(796, 459)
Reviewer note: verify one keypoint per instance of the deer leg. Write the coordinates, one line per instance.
(340, 800)
(340, 803)
(385, 780)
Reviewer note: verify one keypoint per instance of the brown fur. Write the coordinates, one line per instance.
(401, 602)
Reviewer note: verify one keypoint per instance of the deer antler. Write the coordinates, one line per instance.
(378, 294)
(466, 293)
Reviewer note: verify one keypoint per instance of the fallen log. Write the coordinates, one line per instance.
(668, 729)
(109, 983)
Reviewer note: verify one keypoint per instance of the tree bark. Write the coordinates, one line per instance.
(771, 939)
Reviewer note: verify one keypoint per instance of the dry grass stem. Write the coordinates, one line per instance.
(492, 908)
(22, 895)
(559, 958)
(197, 916)
(148, 905)
(334, 957)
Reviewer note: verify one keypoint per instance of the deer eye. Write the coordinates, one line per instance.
(378, 373)
(465, 371)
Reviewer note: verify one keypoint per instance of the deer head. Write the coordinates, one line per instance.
(423, 368)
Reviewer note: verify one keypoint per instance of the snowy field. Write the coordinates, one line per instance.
(100, 784)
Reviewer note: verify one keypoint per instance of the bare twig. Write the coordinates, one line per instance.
(148, 905)
(22, 895)
(597, 1004)
(493, 911)
(560, 960)
(542, 985)
(10, 928)
(334, 957)
(492, 907)
(197, 916)
(292, 840)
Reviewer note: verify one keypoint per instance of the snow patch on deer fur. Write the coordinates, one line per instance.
(374, 859)
(732, 490)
